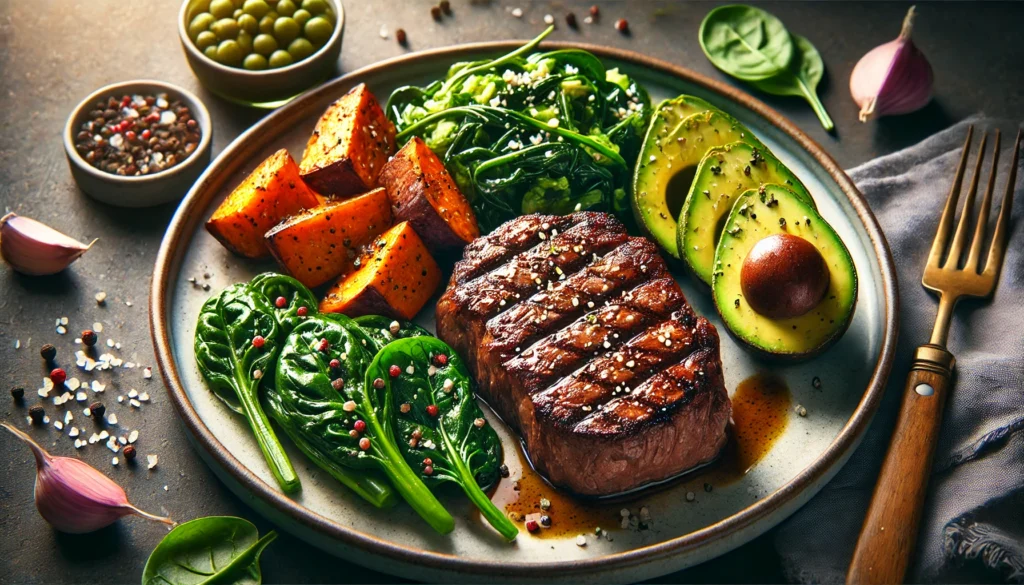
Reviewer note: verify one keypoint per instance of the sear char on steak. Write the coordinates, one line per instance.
(582, 342)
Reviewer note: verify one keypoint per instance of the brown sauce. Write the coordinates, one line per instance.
(760, 406)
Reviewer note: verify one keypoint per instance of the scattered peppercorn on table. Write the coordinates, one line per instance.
(45, 76)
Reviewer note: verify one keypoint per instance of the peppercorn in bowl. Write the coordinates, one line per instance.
(138, 143)
(261, 53)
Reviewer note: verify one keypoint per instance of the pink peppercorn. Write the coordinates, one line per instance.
(441, 360)
(146, 134)
(532, 526)
(359, 426)
(364, 443)
(301, 311)
(394, 371)
(335, 364)
(258, 341)
(432, 409)
(280, 302)
(57, 376)
(428, 461)
(323, 345)
(428, 470)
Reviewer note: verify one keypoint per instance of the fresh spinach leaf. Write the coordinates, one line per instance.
(233, 363)
(272, 286)
(753, 45)
(383, 330)
(216, 549)
(323, 409)
(801, 79)
(440, 428)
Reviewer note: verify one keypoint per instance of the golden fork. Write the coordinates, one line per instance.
(890, 529)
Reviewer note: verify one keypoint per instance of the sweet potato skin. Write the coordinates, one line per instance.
(270, 193)
(352, 141)
(396, 277)
(321, 243)
(424, 194)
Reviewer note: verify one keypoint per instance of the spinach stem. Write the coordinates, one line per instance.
(272, 449)
(816, 105)
(488, 510)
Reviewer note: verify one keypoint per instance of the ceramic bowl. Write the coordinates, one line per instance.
(144, 190)
(269, 88)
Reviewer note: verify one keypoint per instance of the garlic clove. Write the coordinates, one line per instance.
(893, 78)
(75, 497)
(36, 249)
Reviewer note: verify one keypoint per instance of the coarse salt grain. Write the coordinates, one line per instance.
(349, 406)
(147, 373)
(581, 540)
(81, 397)
(134, 403)
(133, 436)
(517, 12)
(144, 397)
(151, 461)
(112, 419)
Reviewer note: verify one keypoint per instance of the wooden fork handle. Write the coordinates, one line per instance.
(887, 539)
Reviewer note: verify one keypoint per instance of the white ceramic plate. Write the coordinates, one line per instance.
(808, 454)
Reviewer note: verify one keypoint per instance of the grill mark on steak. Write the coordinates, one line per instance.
(619, 373)
(547, 311)
(657, 398)
(558, 354)
(517, 235)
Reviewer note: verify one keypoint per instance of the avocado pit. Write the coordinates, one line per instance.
(783, 276)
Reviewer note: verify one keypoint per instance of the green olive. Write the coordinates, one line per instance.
(300, 48)
(255, 62)
(286, 29)
(266, 25)
(329, 15)
(249, 24)
(286, 7)
(264, 44)
(314, 6)
(225, 29)
(221, 8)
(229, 53)
(238, 12)
(201, 22)
(301, 16)
(280, 59)
(206, 39)
(211, 52)
(257, 8)
(245, 41)
(318, 30)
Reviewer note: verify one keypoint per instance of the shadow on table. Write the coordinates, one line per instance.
(897, 132)
(101, 544)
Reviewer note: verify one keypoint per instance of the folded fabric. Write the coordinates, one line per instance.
(979, 462)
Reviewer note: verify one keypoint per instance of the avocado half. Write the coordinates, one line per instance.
(682, 129)
(763, 212)
(723, 175)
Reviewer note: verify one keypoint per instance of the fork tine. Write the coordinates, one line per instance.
(946, 222)
(995, 253)
(957, 246)
(986, 203)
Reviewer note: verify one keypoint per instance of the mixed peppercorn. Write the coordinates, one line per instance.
(138, 135)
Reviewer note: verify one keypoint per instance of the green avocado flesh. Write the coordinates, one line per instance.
(723, 174)
(757, 215)
(681, 131)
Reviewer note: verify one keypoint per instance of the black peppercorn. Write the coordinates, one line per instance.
(435, 12)
(36, 413)
(17, 393)
(503, 470)
(708, 487)
(401, 37)
(545, 521)
(446, 7)
(48, 352)
(97, 409)
(89, 337)
(129, 453)
(570, 19)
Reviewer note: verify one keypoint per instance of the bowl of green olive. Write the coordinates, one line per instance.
(261, 53)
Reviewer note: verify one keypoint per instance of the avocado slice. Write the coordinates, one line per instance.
(724, 173)
(682, 129)
(764, 212)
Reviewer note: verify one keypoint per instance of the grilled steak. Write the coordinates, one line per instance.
(582, 341)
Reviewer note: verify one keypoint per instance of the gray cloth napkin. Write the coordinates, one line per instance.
(973, 522)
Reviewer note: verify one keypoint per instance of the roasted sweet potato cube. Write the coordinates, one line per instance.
(424, 194)
(351, 143)
(321, 243)
(269, 194)
(396, 276)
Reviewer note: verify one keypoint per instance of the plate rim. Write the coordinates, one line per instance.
(171, 253)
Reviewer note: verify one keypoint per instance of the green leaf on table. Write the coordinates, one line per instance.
(440, 428)
(233, 365)
(216, 549)
(801, 79)
(754, 46)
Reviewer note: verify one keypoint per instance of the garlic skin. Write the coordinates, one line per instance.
(893, 78)
(75, 497)
(36, 249)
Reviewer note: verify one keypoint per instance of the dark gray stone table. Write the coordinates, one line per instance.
(54, 52)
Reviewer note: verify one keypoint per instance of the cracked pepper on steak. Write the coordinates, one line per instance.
(582, 342)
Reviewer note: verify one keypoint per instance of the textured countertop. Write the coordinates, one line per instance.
(55, 52)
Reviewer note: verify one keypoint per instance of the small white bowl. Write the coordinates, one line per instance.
(143, 190)
(269, 88)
